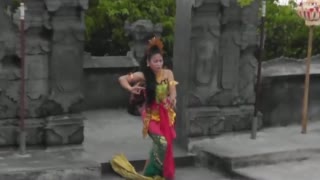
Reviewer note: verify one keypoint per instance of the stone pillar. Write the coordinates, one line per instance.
(65, 71)
(214, 44)
(140, 32)
(8, 107)
(54, 63)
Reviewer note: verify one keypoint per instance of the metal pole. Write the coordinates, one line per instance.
(258, 83)
(22, 137)
(306, 84)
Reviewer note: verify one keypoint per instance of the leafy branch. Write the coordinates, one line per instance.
(243, 3)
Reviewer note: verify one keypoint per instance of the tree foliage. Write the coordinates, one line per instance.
(286, 33)
(243, 3)
(105, 21)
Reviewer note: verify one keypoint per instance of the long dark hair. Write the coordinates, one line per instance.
(150, 77)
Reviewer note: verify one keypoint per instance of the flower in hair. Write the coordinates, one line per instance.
(156, 42)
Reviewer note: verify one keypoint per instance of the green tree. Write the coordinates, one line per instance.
(105, 23)
(286, 33)
(245, 2)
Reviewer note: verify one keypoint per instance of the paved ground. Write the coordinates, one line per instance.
(188, 174)
(108, 132)
(302, 170)
(294, 156)
(270, 140)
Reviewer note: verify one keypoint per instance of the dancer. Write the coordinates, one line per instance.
(157, 113)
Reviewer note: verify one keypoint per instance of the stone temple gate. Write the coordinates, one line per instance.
(214, 48)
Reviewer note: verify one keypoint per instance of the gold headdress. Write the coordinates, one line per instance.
(155, 41)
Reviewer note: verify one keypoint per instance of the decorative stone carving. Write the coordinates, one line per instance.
(7, 34)
(140, 32)
(34, 131)
(67, 52)
(230, 46)
(205, 52)
(216, 65)
(248, 62)
(54, 32)
(208, 121)
(205, 121)
(66, 72)
(64, 130)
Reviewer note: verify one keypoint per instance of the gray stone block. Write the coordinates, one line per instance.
(64, 130)
(282, 91)
(210, 121)
(34, 129)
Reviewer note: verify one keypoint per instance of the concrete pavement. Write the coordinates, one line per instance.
(299, 170)
(281, 153)
(276, 154)
(192, 173)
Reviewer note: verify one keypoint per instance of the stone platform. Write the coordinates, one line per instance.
(275, 147)
(107, 133)
(67, 164)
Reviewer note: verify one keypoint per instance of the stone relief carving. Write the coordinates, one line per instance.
(204, 52)
(140, 32)
(54, 32)
(66, 71)
(8, 70)
(221, 69)
(230, 46)
(7, 33)
(248, 62)
(67, 52)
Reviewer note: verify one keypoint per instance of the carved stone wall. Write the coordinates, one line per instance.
(54, 52)
(214, 47)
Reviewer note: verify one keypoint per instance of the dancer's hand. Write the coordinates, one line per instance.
(136, 89)
(173, 102)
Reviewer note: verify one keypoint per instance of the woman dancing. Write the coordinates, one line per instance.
(158, 111)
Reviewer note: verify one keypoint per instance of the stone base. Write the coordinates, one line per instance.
(34, 132)
(64, 130)
(52, 131)
(210, 121)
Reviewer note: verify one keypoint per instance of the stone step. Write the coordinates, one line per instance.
(272, 146)
(306, 169)
(228, 164)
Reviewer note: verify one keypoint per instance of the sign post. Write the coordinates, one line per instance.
(309, 10)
